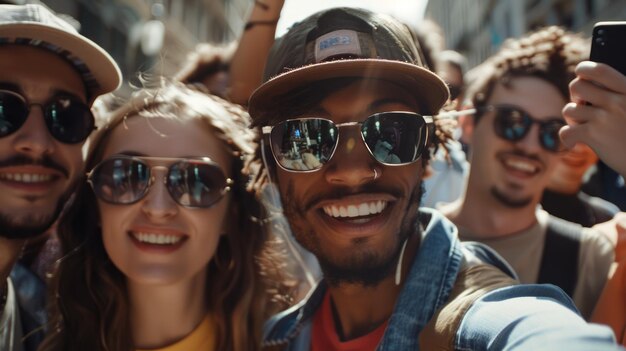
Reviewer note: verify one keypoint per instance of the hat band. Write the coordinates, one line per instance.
(91, 84)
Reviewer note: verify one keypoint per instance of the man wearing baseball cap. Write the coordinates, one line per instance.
(339, 85)
(49, 78)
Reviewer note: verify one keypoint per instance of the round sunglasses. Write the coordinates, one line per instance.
(513, 123)
(393, 138)
(123, 180)
(68, 119)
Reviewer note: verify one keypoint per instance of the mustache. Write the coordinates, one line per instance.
(23, 160)
(337, 193)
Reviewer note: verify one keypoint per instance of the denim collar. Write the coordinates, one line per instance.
(427, 285)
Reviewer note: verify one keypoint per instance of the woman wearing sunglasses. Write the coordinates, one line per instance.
(162, 248)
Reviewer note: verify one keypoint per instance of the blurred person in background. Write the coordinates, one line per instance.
(518, 96)
(233, 71)
(445, 178)
(563, 196)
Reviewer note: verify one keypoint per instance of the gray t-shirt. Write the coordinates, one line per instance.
(524, 250)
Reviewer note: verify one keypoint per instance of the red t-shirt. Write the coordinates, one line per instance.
(324, 335)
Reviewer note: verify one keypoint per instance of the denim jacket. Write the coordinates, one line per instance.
(30, 295)
(519, 317)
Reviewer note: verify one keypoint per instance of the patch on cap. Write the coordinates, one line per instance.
(343, 42)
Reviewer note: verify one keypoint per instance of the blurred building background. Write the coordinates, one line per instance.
(156, 35)
(476, 28)
(152, 35)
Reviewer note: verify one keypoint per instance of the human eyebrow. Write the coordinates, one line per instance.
(315, 112)
(62, 92)
(130, 153)
(141, 154)
(376, 105)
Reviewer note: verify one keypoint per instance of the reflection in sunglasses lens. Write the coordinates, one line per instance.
(13, 113)
(513, 124)
(304, 144)
(68, 120)
(126, 181)
(307, 144)
(195, 184)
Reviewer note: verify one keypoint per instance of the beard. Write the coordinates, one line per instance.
(508, 201)
(363, 266)
(31, 225)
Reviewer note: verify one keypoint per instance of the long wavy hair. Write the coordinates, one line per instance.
(89, 306)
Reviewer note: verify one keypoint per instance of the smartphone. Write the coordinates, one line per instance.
(608, 44)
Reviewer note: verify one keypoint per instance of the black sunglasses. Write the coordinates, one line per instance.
(512, 123)
(125, 180)
(392, 138)
(68, 119)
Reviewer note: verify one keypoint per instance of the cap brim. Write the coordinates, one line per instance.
(100, 64)
(430, 91)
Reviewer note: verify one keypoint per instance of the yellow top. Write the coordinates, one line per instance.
(202, 338)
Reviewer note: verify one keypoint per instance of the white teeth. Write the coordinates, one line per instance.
(26, 177)
(359, 210)
(353, 211)
(521, 165)
(343, 212)
(157, 239)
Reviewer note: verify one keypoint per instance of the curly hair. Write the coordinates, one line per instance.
(550, 53)
(89, 308)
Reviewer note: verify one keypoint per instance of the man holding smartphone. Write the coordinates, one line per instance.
(49, 77)
(518, 99)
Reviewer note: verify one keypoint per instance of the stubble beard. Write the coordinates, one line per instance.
(32, 224)
(508, 201)
(364, 267)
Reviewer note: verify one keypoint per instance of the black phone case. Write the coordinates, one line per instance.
(609, 44)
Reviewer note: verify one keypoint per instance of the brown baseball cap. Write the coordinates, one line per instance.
(36, 25)
(347, 42)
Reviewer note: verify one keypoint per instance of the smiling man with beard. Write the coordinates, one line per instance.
(395, 277)
(518, 98)
(49, 77)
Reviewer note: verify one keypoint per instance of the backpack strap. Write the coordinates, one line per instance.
(559, 261)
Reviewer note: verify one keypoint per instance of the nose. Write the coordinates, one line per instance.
(530, 142)
(352, 164)
(33, 138)
(158, 203)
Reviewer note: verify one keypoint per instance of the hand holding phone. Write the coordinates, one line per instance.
(597, 115)
(609, 44)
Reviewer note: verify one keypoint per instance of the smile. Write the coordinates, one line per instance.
(520, 165)
(26, 177)
(157, 239)
(356, 210)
